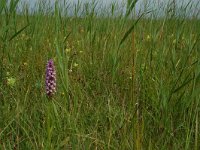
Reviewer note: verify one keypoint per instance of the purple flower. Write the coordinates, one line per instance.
(50, 78)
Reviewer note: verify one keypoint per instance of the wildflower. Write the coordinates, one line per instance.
(63, 94)
(148, 37)
(25, 64)
(174, 41)
(75, 65)
(81, 30)
(23, 35)
(68, 50)
(50, 79)
(11, 81)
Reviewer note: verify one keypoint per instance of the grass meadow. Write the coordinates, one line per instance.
(125, 80)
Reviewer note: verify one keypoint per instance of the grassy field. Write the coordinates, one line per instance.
(122, 83)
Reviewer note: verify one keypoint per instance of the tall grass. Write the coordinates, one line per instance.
(126, 80)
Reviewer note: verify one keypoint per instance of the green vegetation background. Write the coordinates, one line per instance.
(122, 83)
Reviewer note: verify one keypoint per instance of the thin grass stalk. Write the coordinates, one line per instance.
(136, 96)
(196, 133)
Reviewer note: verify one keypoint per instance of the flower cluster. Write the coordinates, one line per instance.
(50, 79)
(11, 81)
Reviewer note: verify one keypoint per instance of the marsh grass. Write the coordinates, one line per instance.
(124, 82)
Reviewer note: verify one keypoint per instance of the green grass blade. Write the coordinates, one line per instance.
(18, 32)
(130, 30)
(2, 5)
(131, 7)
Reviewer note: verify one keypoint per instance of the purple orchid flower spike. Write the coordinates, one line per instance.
(50, 78)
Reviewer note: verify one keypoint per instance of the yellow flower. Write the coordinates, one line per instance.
(11, 81)
(25, 64)
(148, 37)
(82, 30)
(174, 41)
(68, 50)
(75, 65)
(23, 35)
